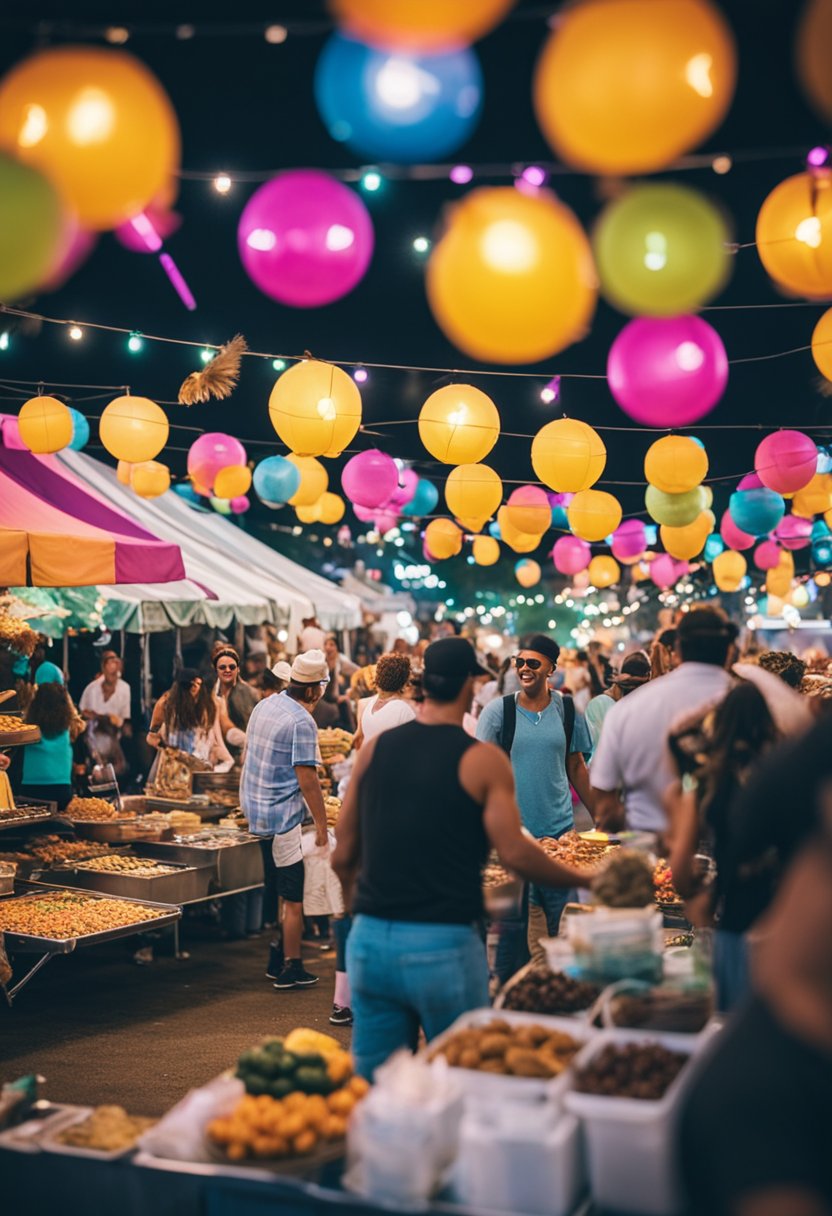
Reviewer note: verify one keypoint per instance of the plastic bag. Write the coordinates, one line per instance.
(180, 1134)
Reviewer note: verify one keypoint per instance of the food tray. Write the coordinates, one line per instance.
(187, 884)
(112, 831)
(50, 1143)
(45, 1119)
(33, 814)
(19, 738)
(30, 944)
(206, 811)
(232, 866)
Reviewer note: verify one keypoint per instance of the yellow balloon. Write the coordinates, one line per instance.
(529, 511)
(232, 481)
(133, 429)
(794, 234)
(568, 456)
(688, 542)
(485, 550)
(604, 571)
(520, 542)
(458, 424)
(419, 25)
(473, 493)
(813, 48)
(315, 408)
(314, 480)
(778, 582)
(491, 278)
(331, 508)
(308, 515)
(822, 344)
(593, 514)
(729, 569)
(150, 479)
(627, 86)
(814, 498)
(123, 470)
(675, 464)
(443, 538)
(45, 424)
(823, 579)
(98, 123)
(800, 597)
(527, 572)
(640, 571)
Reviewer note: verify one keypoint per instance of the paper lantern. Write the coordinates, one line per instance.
(233, 481)
(485, 550)
(123, 469)
(794, 532)
(675, 464)
(729, 570)
(667, 371)
(786, 461)
(314, 480)
(812, 52)
(661, 250)
(305, 239)
(629, 540)
(688, 542)
(370, 478)
(779, 580)
(751, 481)
(307, 515)
(133, 429)
(222, 506)
(568, 455)
(405, 490)
(473, 493)
(520, 542)
(734, 537)
(443, 538)
(315, 408)
(594, 514)
(528, 510)
(331, 508)
(604, 571)
(625, 87)
(822, 579)
(240, 505)
(80, 430)
(822, 343)
(45, 424)
(276, 480)
(715, 545)
(815, 498)
(675, 510)
(794, 234)
(397, 107)
(756, 512)
(424, 499)
(458, 424)
(97, 123)
(665, 571)
(209, 454)
(767, 555)
(527, 572)
(571, 554)
(824, 459)
(419, 25)
(490, 277)
(149, 479)
(32, 226)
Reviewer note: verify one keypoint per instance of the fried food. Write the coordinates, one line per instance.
(95, 810)
(64, 914)
(108, 1129)
(518, 1051)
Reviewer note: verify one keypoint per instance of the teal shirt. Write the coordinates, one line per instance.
(48, 762)
(538, 757)
(596, 711)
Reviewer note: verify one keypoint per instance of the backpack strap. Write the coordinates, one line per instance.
(509, 723)
(568, 721)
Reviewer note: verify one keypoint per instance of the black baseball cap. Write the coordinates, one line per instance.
(453, 657)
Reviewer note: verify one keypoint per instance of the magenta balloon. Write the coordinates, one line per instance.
(385, 520)
(212, 452)
(401, 496)
(629, 540)
(794, 532)
(667, 371)
(240, 504)
(305, 239)
(571, 554)
(665, 570)
(751, 482)
(559, 500)
(733, 536)
(786, 461)
(767, 555)
(162, 222)
(370, 478)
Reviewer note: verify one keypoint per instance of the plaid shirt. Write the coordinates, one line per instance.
(280, 734)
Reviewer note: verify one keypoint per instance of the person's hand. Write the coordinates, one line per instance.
(5, 761)
(115, 720)
(321, 838)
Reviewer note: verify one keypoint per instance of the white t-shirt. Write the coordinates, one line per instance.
(632, 752)
(390, 714)
(311, 638)
(93, 699)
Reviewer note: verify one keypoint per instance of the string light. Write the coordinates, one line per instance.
(117, 34)
(461, 175)
(371, 181)
(76, 333)
(421, 244)
(361, 375)
(275, 34)
(135, 343)
(222, 183)
(722, 165)
(279, 365)
(184, 32)
(206, 354)
(4, 340)
(551, 392)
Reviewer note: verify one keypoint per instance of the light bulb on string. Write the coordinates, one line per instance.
(206, 354)
(76, 333)
(461, 175)
(551, 392)
(371, 181)
(4, 340)
(818, 157)
(361, 375)
(722, 165)
(421, 244)
(135, 343)
(222, 183)
(279, 365)
(117, 35)
(276, 34)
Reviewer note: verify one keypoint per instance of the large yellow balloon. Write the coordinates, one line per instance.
(512, 279)
(419, 25)
(315, 408)
(688, 542)
(443, 538)
(473, 493)
(97, 123)
(314, 480)
(331, 508)
(604, 571)
(627, 86)
(45, 424)
(150, 479)
(458, 424)
(520, 542)
(232, 481)
(568, 456)
(485, 550)
(593, 514)
(729, 570)
(822, 344)
(529, 510)
(779, 580)
(815, 498)
(133, 429)
(794, 234)
(675, 464)
(813, 50)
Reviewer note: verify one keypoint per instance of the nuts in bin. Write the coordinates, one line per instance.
(631, 1070)
(64, 914)
(626, 881)
(93, 809)
(544, 991)
(509, 1050)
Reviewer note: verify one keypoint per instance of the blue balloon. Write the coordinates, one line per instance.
(395, 106)
(276, 480)
(494, 530)
(820, 530)
(80, 430)
(423, 501)
(714, 545)
(757, 511)
(560, 519)
(824, 460)
(822, 552)
(186, 491)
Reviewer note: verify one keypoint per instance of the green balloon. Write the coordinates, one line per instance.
(676, 510)
(661, 251)
(31, 228)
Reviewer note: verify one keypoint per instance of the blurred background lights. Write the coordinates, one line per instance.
(206, 354)
(135, 343)
(421, 244)
(551, 392)
(361, 375)
(275, 34)
(222, 183)
(461, 175)
(371, 181)
(279, 365)
(76, 333)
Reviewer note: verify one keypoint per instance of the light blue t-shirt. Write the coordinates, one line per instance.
(596, 712)
(48, 762)
(538, 757)
(280, 735)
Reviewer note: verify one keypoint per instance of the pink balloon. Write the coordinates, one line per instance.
(212, 452)
(767, 555)
(305, 239)
(559, 500)
(786, 461)
(571, 554)
(750, 482)
(629, 540)
(401, 496)
(385, 520)
(794, 532)
(733, 536)
(382, 518)
(10, 432)
(580, 581)
(665, 570)
(667, 371)
(240, 504)
(529, 496)
(148, 229)
(370, 478)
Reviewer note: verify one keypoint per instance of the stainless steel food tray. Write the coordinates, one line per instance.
(186, 884)
(232, 866)
(111, 831)
(208, 812)
(37, 815)
(27, 943)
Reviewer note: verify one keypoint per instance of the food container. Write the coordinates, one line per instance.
(206, 810)
(616, 943)
(51, 1143)
(233, 857)
(45, 1118)
(186, 884)
(30, 943)
(8, 869)
(33, 811)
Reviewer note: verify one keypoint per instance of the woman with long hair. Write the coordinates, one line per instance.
(237, 699)
(187, 717)
(663, 657)
(47, 765)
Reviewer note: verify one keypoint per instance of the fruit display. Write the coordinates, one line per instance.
(665, 892)
(573, 850)
(306, 1061)
(294, 1126)
(63, 914)
(626, 881)
(631, 1070)
(52, 849)
(16, 634)
(139, 867)
(94, 810)
(543, 991)
(109, 1129)
(334, 744)
(509, 1050)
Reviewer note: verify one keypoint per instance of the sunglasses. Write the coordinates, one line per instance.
(228, 667)
(532, 664)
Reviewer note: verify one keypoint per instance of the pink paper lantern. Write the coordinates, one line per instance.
(571, 555)
(408, 481)
(733, 536)
(667, 371)
(750, 482)
(240, 504)
(559, 500)
(629, 540)
(794, 532)
(665, 570)
(786, 461)
(767, 555)
(210, 453)
(146, 232)
(305, 239)
(370, 478)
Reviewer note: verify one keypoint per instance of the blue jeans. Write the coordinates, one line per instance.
(552, 900)
(405, 975)
(731, 973)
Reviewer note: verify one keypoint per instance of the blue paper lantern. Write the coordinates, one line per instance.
(423, 501)
(394, 106)
(560, 520)
(494, 530)
(651, 535)
(824, 460)
(80, 430)
(820, 530)
(757, 511)
(822, 552)
(714, 545)
(276, 480)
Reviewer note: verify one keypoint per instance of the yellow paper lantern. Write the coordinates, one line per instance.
(527, 572)
(443, 538)
(149, 479)
(419, 25)
(133, 429)
(331, 508)
(315, 408)
(822, 579)
(604, 571)
(800, 596)
(491, 277)
(314, 480)
(473, 493)
(822, 344)
(675, 464)
(308, 515)
(45, 424)
(593, 514)
(688, 542)
(485, 550)
(232, 481)
(520, 542)
(812, 50)
(123, 471)
(729, 569)
(814, 498)
(568, 456)
(529, 511)
(794, 234)
(458, 424)
(640, 572)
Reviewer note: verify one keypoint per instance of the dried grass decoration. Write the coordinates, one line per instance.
(218, 378)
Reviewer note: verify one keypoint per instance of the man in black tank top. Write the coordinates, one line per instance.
(425, 805)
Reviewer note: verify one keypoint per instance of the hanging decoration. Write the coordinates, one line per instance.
(459, 424)
(688, 542)
(424, 500)
(568, 455)
(232, 481)
(794, 234)
(473, 493)
(45, 425)
(767, 555)
(665, 571)
(729, 569)
(677, 510)
(667, 371)
(822, 341)
(32, 229)
(629, 541)
(485, 551)
(276, 480)
(419, 25)
(528, 510)
(133, 429)
(218, 378)
(604, 572)
(80, 430)
(315, 408)
(208, 456)
(370, 479)
(527, 572)
(734, 537)
(794, 532)
(520, 542)
(675, 464)
(149, 479)
(786, 461)
(571, 555)
(594, 514)
(314, 480)
(815, 498)
(756, 511)
(443, 538)
(813, 48)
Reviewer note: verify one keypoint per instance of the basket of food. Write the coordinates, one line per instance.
(14, 732)
(103, 1133)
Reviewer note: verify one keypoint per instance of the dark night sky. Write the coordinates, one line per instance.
(244, 104)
